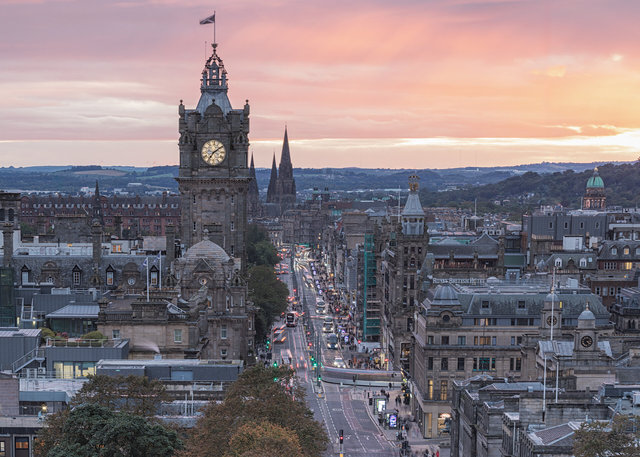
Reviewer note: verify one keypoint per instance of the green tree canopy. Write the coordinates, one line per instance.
(620, 438)
(259, 395)
(260, 251)
(94, 430)
(269, 294)
(133, 394)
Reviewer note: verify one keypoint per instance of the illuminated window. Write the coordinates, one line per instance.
(430, 389)
(109, 278)
(22, 443)
(444, 389)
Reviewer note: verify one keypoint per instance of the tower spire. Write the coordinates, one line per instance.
(273, 182)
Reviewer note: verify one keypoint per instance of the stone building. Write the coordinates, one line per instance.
(282, 186)
(67, 218)
(399, 281)
(214, 176)
(594, 197)
(463, 331)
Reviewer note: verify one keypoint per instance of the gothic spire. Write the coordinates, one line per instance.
(273, 182)
(286, 168)
(253, 185)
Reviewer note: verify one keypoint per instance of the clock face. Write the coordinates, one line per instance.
(552, 321)
(586, 341)
(213, 152)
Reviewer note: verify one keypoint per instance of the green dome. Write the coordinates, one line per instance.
(595, 181)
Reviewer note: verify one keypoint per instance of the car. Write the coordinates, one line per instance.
(338, 362)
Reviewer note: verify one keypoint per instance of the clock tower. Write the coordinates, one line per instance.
(214, 178)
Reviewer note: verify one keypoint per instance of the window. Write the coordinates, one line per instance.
(494, 341)
(223, 332)
(154, 278)
(485, 304)
(566, 225)
(25, 275)
(583, 263)
(521, 304)
(444, 387)
(460, 363)
(430, 339)
(612, 291)
(550, 225)
(626, 250)
(581, 225)
(76, 276)
(483, 363)
(598, 290)
(614, 251)
(430, 389)
(444, 364)
(462, 341)
(115, 334)
(22, 443)
(177, 336)
(513, 341)
(109, 278)
(223, 353)
(558, 263)
(481, 340)
(445, 340)
(430, 363)
(519, 340)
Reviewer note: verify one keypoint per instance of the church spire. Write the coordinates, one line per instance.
(273, 182)
(96, 206)
(286, 168)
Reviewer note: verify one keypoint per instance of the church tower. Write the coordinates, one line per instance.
(273, 182)
(594, 197)
(286, 185)
(253, 196)
(214, 178)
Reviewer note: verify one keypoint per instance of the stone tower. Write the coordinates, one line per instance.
(253, 196)
(286, 185)
(272, 196)
(594, 197)
(214, 178)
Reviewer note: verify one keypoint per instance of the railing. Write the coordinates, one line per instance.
(36, 354)
(79, 342)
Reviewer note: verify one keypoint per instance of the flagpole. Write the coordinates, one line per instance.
(160, 262)
(214, 28)
(147, 278)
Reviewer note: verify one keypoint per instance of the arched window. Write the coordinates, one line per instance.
(11, 214)
(583, 263)
(558, 262)
(625, 251)
(614, 251)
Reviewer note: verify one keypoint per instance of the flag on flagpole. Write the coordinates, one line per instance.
(210, 20)
(146, 262)
(159, 255)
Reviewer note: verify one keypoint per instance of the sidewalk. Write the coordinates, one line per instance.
(418, 444)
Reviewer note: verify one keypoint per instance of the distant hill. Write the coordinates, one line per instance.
(531, 189)
(530, 184)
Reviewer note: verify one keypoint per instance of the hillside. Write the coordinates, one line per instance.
(530, 190)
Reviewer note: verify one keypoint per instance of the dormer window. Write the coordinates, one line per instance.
(614, 251)
(626, 250)
(558, 262)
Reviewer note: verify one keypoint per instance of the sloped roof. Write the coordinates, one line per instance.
(565, 348)
(558, 435)
(413, 207)
(75, 312)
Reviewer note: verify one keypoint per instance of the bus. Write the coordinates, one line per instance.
(291, 319)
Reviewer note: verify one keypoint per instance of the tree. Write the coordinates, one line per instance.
(259, 395)
(270, 296)
(619, 438)
(260, 251)
(133, 394)
(264, 440)
(94, 430)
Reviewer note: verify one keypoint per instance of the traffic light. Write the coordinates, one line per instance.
(275, 363)
(341, 435)
(268, 343)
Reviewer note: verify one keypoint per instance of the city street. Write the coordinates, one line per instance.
(339, 408)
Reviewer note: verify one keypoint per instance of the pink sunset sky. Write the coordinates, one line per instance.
(393, 84)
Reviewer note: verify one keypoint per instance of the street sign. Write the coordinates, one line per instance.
(393, 421)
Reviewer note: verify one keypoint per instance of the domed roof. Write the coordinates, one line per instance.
(587, 315)
(595, 181)
(445, 294)
(207, 249)
(552, 298)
